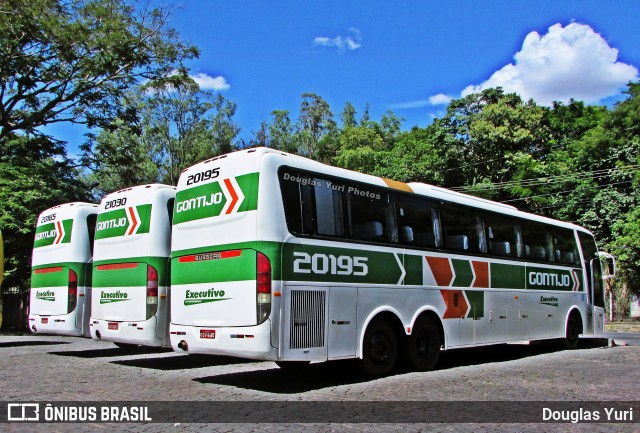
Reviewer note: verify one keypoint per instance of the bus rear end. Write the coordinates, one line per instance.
(130, 305)
(61, 275)
(221, 274)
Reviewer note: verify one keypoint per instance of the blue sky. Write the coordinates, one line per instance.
(406, 56)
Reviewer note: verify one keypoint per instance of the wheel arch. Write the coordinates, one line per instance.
(431, 313)
(389, 314)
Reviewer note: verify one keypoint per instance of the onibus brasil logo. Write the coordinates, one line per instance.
(204, 297)
(46, 296)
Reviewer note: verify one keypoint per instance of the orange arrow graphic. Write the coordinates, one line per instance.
(60, 233)
(441, 269)
(234, 196)
(456, 303)
(134, 221)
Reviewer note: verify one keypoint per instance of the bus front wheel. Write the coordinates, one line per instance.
(422, 349)
(574, 329)
(379, 350)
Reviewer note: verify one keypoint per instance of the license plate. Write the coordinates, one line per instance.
(113, 326)
(44, 320)
(208, 333)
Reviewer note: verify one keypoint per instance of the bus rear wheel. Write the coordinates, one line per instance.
(422, 348)
(379, 350)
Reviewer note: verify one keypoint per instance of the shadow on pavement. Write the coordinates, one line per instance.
(112, 351)
(283, 381)
(31, 343)
(182, 362)
(336, 373)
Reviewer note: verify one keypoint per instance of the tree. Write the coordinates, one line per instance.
(348, 116)
(315, 122)
(34, 176)
(281, 131)
(175, 127)
(72, 61)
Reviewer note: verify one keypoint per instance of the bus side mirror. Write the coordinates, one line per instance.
(611, 265)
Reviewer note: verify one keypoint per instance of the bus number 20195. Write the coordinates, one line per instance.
(322, 264)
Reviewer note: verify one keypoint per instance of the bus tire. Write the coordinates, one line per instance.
(573, 331)
(379, 349)
(422, 348)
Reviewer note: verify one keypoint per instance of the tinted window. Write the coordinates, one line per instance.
(536, 242)
(593, 267)
(328, 208)
(502, 236)
(418, 223)
(298, 204)
(463, 230)
(370, 214)
(564, 246)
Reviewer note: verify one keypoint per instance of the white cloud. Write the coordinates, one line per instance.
(567, 62)
(207, 82)
(342, 43)
(439, 99)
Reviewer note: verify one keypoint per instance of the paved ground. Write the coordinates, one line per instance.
(51, 368)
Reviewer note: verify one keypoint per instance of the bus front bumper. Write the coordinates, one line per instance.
(252, 342)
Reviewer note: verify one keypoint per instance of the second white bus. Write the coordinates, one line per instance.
(130, 305)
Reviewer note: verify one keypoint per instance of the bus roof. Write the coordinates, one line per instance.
(423, 189)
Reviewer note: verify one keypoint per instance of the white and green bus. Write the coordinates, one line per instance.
(277, 257)
(130, 305)
(59, 301)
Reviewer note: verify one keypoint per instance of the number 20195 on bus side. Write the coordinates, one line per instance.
(322, 263)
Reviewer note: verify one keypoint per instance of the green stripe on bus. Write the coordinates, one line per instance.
(333, 264)
(463, 273)
(129, 277)
(210, 199)
(60, 278)
(238, 268)
(48, 233)
(413, 265)
(504, 276)
(119, 223)
(273, 251)
(476, 300)
(341, 265)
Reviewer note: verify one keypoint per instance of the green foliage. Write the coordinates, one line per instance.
(73, 60)
(171, 127)
(31, 181)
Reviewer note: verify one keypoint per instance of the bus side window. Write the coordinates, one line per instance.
(328, 209)
(537, 245)
(593, 269)
(564, 247)
(371, 216)
(502, 235)
(417, 222)
(91, 228)
(298, 205)
(463, 230)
